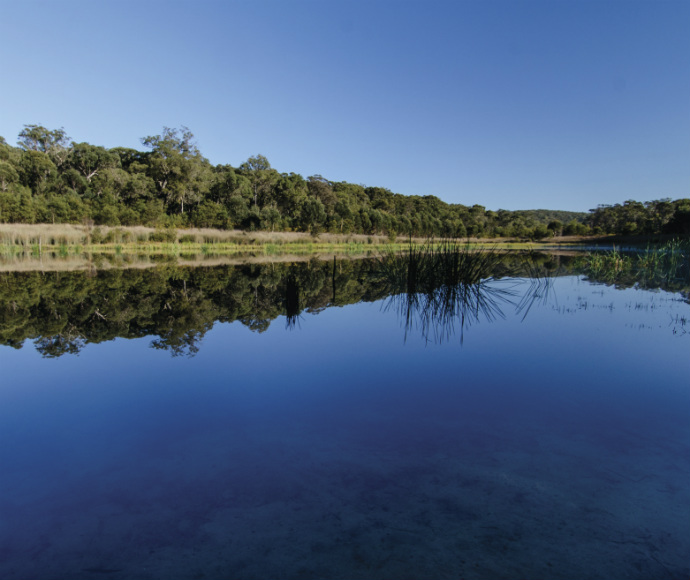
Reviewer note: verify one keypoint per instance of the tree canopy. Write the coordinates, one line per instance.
(50, 178)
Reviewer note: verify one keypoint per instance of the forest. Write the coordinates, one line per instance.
(48, 178)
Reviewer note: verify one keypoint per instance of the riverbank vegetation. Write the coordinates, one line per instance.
(68, 239)
(665, 266)
(50, 179)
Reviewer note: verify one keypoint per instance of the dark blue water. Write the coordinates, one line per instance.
(557, 446)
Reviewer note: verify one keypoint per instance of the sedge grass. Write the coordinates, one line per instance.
(439, 288)
(657, 264)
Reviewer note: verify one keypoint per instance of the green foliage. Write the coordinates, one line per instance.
(634, 217)
(167, 235)
(663, 265)
(49, 179)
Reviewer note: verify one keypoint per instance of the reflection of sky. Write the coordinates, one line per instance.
(597, 366)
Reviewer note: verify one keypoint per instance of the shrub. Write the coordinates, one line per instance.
(163, 235)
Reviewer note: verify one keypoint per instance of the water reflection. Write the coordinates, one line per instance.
(553, 445)
(441, 290)
(437, 293)
(62, 312)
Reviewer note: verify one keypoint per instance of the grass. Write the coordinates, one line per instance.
(607, 264)
(16, 238)
(444, 287)
(45, 238)
(667, 262)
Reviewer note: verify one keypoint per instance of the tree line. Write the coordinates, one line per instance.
(48, 178)
(662, 216)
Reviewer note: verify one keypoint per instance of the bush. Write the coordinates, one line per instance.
(97, 236)
(168, 235)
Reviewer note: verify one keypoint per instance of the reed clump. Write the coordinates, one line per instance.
(607, 264)
(659, 265)
(438, 287)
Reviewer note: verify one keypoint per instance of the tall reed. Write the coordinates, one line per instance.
(657, 265)
(437, 288)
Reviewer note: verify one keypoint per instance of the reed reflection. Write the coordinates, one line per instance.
(440, 290)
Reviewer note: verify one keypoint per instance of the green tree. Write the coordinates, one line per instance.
(90, 159)
(270, 217)
(312, 216)
(556, 227)
(55, 143)
(36, 169)
(289, 193)
(8, 175)
(177, 167)
(322, 189)
(261, 177)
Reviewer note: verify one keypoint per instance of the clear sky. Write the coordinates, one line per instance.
(560, 104)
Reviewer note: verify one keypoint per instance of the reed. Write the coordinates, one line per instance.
(657, 265)
(439, 288)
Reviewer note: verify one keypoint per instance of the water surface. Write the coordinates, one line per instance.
(334, 444)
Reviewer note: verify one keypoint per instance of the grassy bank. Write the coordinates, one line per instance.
(73, 239)
(65, 239)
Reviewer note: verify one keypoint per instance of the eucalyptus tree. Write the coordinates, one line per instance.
(37, 138)
(89, 160)
(36, 169)
(270, 217)
(312, 216)
(381, 198)
(8, 175)
(132, 160)
(344, 216)
(223, 185)
(322, 189)
(289, 193)
(175, 164)
(262, 178)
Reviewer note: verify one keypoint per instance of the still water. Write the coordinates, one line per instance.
(341, 441)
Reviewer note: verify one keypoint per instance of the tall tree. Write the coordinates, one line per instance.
(261, 176)
(90, 159)
(37, 138)
(176, 166)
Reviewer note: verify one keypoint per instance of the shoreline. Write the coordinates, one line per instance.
(55, 235)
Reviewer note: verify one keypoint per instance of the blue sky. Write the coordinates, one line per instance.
(516, 105)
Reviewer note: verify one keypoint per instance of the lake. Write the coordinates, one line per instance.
(313, 420)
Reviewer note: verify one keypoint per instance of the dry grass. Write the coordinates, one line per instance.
(45, 234)
(70, 234)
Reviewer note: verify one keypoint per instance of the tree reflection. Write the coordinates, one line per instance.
(185, 344)
(59, 344)
(292, 302)
(438, 291)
